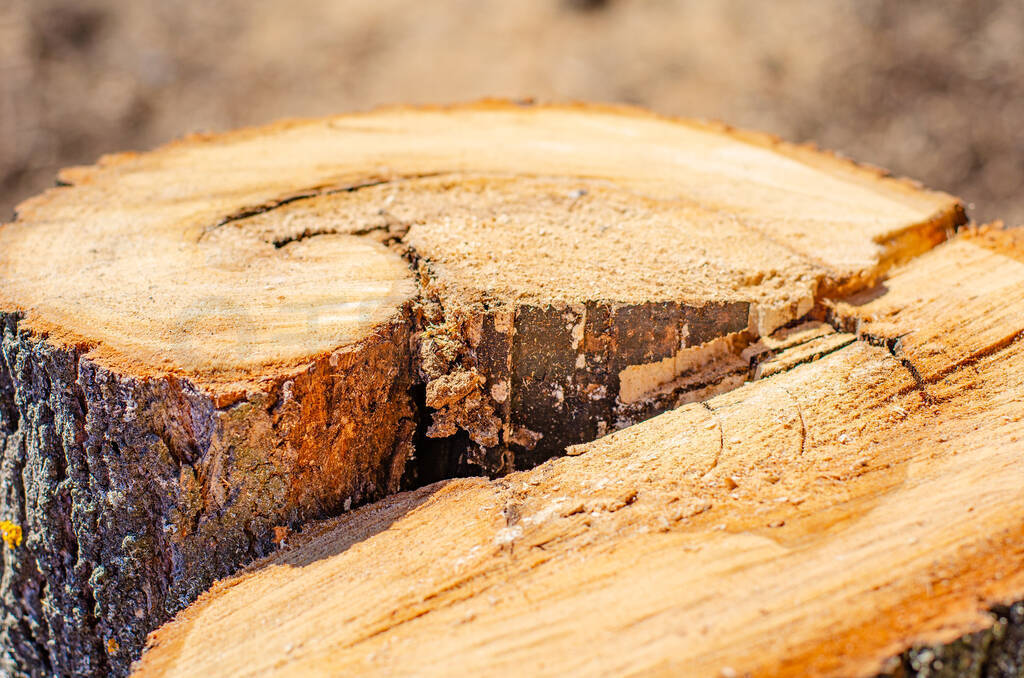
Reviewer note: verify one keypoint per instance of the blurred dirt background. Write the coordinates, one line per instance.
(933, 89)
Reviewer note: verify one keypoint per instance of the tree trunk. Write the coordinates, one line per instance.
(849, 516)
(210, 344)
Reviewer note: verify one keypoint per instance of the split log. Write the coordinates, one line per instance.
(858, 514)
(212, 343)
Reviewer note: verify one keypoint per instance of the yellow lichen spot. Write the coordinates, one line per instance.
(10, 533)
(112, 646)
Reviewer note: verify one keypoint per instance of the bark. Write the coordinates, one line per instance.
(136, 494)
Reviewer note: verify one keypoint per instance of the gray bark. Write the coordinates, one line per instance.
(134, 495)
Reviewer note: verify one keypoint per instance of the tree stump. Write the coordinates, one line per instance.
(210, 344)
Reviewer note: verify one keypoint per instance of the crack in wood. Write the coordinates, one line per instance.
(276, 203)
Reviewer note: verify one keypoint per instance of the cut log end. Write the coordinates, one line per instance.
(241, 332)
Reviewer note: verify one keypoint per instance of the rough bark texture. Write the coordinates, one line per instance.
(136, 494)
(223, 339)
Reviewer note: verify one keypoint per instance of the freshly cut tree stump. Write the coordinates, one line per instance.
(858, 514)
(212, 343)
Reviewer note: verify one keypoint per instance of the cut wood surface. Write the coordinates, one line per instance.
(821, 521)
(211, 343)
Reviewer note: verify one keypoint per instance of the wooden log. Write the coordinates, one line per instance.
(206, 345)
(858, 514)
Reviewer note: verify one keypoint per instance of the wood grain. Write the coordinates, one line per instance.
(818, 522)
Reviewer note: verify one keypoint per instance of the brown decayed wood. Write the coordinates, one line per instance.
(817, 522)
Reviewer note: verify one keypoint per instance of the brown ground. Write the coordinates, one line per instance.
(930, 89)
